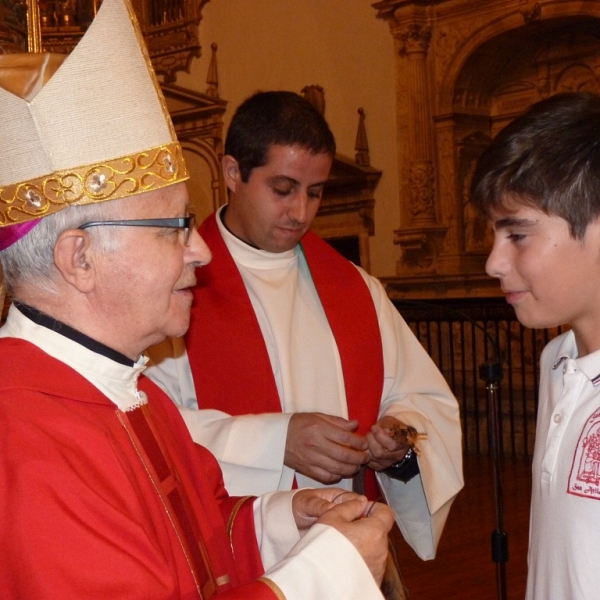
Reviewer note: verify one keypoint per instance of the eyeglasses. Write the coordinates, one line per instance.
(185, 223)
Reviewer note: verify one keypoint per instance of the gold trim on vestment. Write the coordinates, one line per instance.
(109, 180)
(223, 580)
(274, 588)
(233, 515)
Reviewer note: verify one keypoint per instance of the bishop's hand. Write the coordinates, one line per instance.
(366, 524)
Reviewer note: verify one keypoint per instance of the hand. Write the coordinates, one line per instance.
(310, 504)
(324, 447)
(366, 524)
(383, 449)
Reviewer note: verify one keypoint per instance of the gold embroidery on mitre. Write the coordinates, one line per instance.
(110, 180)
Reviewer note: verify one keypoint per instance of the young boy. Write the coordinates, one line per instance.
(539, 184)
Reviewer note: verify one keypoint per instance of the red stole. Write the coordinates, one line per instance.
(228, 356)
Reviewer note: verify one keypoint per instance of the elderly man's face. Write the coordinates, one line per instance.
(145, 283)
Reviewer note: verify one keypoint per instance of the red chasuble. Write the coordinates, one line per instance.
(100, 503)
(228, 356)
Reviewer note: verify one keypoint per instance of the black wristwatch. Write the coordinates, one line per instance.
(405, 469)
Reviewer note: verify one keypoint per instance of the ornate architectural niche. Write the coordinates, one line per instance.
(465, 68)
(170, 28)
(346, 215)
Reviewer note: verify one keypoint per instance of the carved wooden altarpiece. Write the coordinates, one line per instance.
(464, 69)
(170, 29)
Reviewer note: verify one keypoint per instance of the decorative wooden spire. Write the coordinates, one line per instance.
(212, 79)
(315, 94)
(362, 156)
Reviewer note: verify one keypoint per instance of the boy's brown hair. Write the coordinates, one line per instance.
(549, 159)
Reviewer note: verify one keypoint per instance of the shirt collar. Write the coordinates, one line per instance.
(37, 316)
(567, 349)
(589, 365)
(114, 379)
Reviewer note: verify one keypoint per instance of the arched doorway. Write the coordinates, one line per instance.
(500, 80)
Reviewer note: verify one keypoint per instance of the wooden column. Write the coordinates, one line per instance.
(421, 177)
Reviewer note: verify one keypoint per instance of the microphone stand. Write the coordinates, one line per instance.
(491, 373)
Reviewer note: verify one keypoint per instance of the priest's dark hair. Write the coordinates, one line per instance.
(275, 118)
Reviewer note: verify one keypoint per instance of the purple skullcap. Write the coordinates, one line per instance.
(13, 233)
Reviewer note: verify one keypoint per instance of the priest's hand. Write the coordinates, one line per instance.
(324, 447)
(384, 450)
(366, 524)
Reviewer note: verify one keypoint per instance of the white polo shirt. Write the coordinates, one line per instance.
(564, 534)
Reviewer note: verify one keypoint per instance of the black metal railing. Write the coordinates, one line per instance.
(460, 335)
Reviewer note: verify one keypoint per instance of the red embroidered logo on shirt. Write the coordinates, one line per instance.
(584, 479)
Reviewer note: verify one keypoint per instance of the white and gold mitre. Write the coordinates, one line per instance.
(86, 128)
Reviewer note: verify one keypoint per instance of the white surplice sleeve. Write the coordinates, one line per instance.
(416, 393)
(319, 563)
